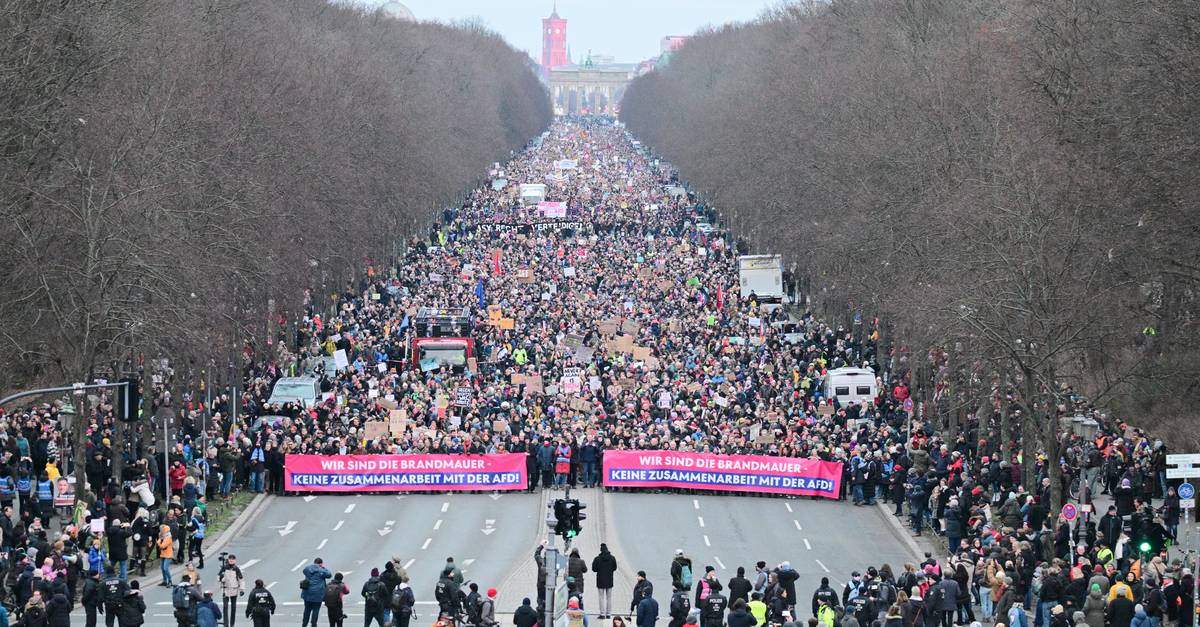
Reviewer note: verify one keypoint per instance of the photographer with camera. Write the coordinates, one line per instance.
(233, 585)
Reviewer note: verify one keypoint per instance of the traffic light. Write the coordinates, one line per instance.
(574, 516)
(562, 517)
(1152, 540)
(128, 400)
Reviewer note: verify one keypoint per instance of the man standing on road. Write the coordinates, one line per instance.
(114, 592)
(824, 594)
(739, 586)
(233, 585)
(313, 591)
(604, 565)
(681, 570)
(525, 616)
(641, 590)
(92, 598)
(714, 609)
(261, 605)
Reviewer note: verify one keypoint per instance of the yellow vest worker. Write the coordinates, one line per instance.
(758, 610)
(826, 615)
(520, 356)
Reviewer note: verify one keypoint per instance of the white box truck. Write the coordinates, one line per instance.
(762, 275)
(851, 385)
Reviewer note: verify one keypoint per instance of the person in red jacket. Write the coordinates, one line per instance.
(177, 477)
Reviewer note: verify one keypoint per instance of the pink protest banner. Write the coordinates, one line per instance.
(403, 473)
(722, 473)
(551, 209)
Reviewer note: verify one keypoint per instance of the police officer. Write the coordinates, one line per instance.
(115, 590)
(261, 605)
(680, 606)
(714, 609)
(826, 594)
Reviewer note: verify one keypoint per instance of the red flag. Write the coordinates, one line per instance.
(496, 262)
(720, 298)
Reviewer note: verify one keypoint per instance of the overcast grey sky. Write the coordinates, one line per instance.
(626, 29)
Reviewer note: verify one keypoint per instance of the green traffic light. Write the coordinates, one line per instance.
(1145, 547)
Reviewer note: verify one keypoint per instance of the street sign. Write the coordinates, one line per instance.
(908, 404)
(1187, 472)
(1187, 503)
(1069, 512)
(1186, 490)
(1183, 459)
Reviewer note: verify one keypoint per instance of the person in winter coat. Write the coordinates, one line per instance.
(487, 610)
(118, 546)
(642, 589)
(260, 605)
(576, 568)
(335, 594)
(1094, 605)
(166, 553)
(132, 612)
(604, 565)
(58, 611)
(92, 598)
(647, 610)
(949, 603)
(1120, 612)
(313, 593)
(787, 576)
(403, 601)
(739, 616)
(207, 612)
(706, 586)
(375, 598)
(739, 587)
(682, 570)
(525, 616)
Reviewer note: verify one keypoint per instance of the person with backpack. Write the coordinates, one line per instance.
(113, 589)
(374, 595)
(680, 605)
(335, 595)
(92, 598)
(681, 570)
(403, 602)
(233, 585)
(58, 611)
(184, 599)
(487, 610)
(260, 605)
(446, 593)
(133, 607)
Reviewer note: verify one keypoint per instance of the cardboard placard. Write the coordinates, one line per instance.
(825, 410)
(375, 429)
(608, 329)
(631, 327)
(499, 426)
(495, 313)
(524, 275)
(579, 404)
(507, 324)
(765, 437)
(517, 379)
(473, 365)
(463, 396)
(533, 383)
(573, 341)
(641, 353)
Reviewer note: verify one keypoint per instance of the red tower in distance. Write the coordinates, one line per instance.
(554, 41)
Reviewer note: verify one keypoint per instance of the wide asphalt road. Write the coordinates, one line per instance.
(491, 537)
(819, 538)
(486, 534)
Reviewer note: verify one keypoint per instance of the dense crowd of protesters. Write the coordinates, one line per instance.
(710, 369)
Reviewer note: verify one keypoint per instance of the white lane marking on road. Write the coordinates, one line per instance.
(322, 544)
(701, 519)
(437, 525)
(807, 545)
(706, 542)
(271, 585)
(425, 545)
(249, 563)
(789, 506)
(339, 525)
(495, 496)
(309, 498)
(297, 566)
(445, 506)
(719, 562)
(696, 503)
(350, 507)
(798, 527)
(468, 562)
(822, 565)
(285, 529)
(409, 563)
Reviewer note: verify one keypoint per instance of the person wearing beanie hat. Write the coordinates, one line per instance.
(525, 616)
(824, 594)
(643, 589)
(375, 596)
(604, 565)
(487, 610)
